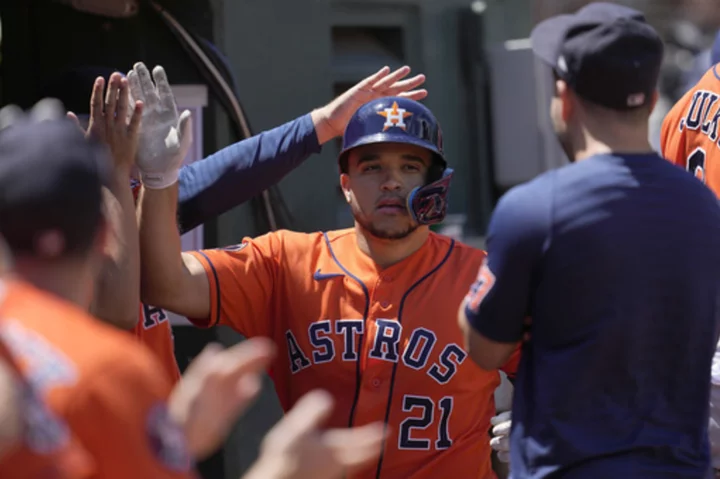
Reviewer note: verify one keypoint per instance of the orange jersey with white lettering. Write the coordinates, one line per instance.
(690, 135)
(385, 342)
(46, 448)
(153, 328)
(108, 388)
(155, 331)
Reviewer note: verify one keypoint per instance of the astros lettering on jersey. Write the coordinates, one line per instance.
(690, 136)
(383, 341)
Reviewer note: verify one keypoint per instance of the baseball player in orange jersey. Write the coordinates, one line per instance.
(248, 166)
(105, 385)
(367, 312)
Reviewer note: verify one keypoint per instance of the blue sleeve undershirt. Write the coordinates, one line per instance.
(243, 170)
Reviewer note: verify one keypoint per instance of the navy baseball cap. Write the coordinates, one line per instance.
(608, 54)
(51, 181)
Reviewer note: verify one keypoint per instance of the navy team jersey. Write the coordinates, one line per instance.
(616, 260)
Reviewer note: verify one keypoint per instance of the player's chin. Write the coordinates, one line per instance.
(395, 229)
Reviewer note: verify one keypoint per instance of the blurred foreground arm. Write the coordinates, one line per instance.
(297, 447)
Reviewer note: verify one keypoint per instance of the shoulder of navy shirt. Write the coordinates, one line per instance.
(241, 171)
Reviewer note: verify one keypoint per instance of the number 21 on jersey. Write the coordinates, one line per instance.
(427, 409)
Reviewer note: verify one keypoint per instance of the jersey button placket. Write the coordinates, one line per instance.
(384, 303)
(377, 368)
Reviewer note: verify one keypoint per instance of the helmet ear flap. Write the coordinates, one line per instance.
(428, 204)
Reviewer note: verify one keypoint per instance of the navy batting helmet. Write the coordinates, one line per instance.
(401, 120)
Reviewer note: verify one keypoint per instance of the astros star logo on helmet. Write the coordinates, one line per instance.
(394, 117)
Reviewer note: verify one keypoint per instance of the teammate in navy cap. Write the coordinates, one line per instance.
(614, 260)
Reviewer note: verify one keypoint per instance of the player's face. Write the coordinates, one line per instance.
(377, 184)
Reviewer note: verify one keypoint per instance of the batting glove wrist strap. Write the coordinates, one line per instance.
(159, 181)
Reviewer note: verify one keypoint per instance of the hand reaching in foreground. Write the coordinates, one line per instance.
(297, 447)
(215, 389)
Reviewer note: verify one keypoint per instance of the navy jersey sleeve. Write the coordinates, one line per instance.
(242, 170)
(498, 302)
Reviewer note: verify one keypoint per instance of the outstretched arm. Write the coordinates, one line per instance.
(243, 170)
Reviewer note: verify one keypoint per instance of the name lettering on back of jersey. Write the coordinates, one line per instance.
(341, 341)
(703, 114)
(44, 366)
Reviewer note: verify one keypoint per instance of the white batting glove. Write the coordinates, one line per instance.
(165, 136)
(500, 442)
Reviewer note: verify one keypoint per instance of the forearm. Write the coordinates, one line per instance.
(161, 267)
(243, 170)
(117, 293)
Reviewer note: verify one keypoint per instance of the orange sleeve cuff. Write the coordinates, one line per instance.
(214, 318)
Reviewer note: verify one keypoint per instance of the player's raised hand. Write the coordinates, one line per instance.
(114, 120)
(331, 120)
(297, 448)
(500, 441)
(165, 135)
(215, 389)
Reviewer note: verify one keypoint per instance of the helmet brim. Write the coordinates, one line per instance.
(378, 138)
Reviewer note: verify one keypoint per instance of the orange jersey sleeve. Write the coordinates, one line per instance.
(690, 132)
(242, 284)
(107, 387)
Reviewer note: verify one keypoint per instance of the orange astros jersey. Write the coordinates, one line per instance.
(46, 448)
(385, 343)
(690, 135)
(107, 388)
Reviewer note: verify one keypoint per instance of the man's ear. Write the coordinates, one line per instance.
(345, 185)
(566, 99)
